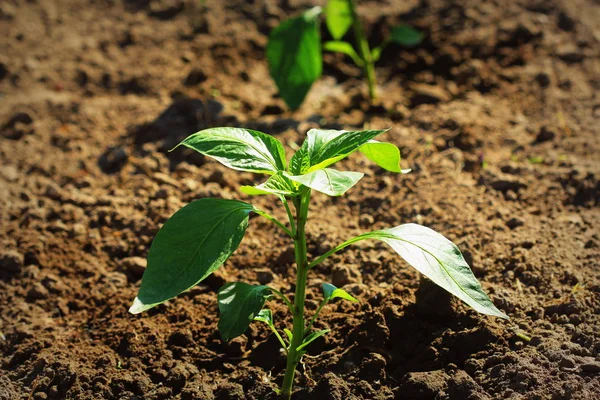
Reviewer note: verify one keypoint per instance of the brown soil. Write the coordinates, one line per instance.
(496, 113)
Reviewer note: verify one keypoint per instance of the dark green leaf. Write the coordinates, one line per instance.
(240, 149)
(338, 17)
(328, 181)
(322, 148)
(406, 36)
(276, 184)
(440, 260)
(384, 154)
(331, 292)
(239, 304)
(294, 56)
(311, 338)
(193, 243)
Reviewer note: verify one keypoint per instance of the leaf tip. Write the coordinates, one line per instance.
(138, 306)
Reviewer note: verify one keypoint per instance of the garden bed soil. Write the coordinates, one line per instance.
(496, 113)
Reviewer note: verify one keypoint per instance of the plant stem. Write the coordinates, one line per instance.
(293, 356)
(364, 52)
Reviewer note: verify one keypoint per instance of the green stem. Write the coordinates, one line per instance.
(364, 52)
(339, 247)
(279, 338)
(290, 216)
(274, 220)
(314, 318)
(293, 357)
(282, 297)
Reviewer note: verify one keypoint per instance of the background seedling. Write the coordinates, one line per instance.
(198, 238)
(294, 48)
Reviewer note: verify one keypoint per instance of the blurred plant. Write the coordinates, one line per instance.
(201, 236)
(294, 48)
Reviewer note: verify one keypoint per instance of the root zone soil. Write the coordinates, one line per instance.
(496, 113)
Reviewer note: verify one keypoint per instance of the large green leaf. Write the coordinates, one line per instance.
(406, 36)
(294, 56)
(331, 292)
(240, 149)
(328, 181)
(193, 243)
(239, 304)
(438, 259)
(338, 17)
(276, 184)
(322, 148)
(384, 154)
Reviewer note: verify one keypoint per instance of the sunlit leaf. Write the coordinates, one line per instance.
(384, 154)
(240, 149)
(328, 181)
(439, 260)
(322, 148)
(276, 184)
(338, 17)
(331, 292)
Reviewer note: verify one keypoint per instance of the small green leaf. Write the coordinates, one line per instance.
(322, 148)
(311, 338)
(265, 316)
(191, 245)
(289, 334)
(376, 53)
(239, 304)
(338, 17)
(294, 56)
(328, 181)
(344, 48)
(384, 154)
(406, 36)
(240, 149)
(276, 184)
(331, 292)
(438, 259)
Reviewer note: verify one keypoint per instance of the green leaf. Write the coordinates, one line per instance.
(440, 260)
(311, 338)
(276, 184)
(328, 181)
(239, 304)
(376, 53)
(384, 154)
(294, 56)
(240, 149)
(265, 316)
(289, 334)
(344, 48)
(192, 244)
(406, 36)
(338, 17)
(331, 292)
(322, 148)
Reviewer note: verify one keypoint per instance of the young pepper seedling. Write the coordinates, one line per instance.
(198, 238)
(294, 48)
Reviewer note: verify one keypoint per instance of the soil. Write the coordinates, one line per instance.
(496, 113)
